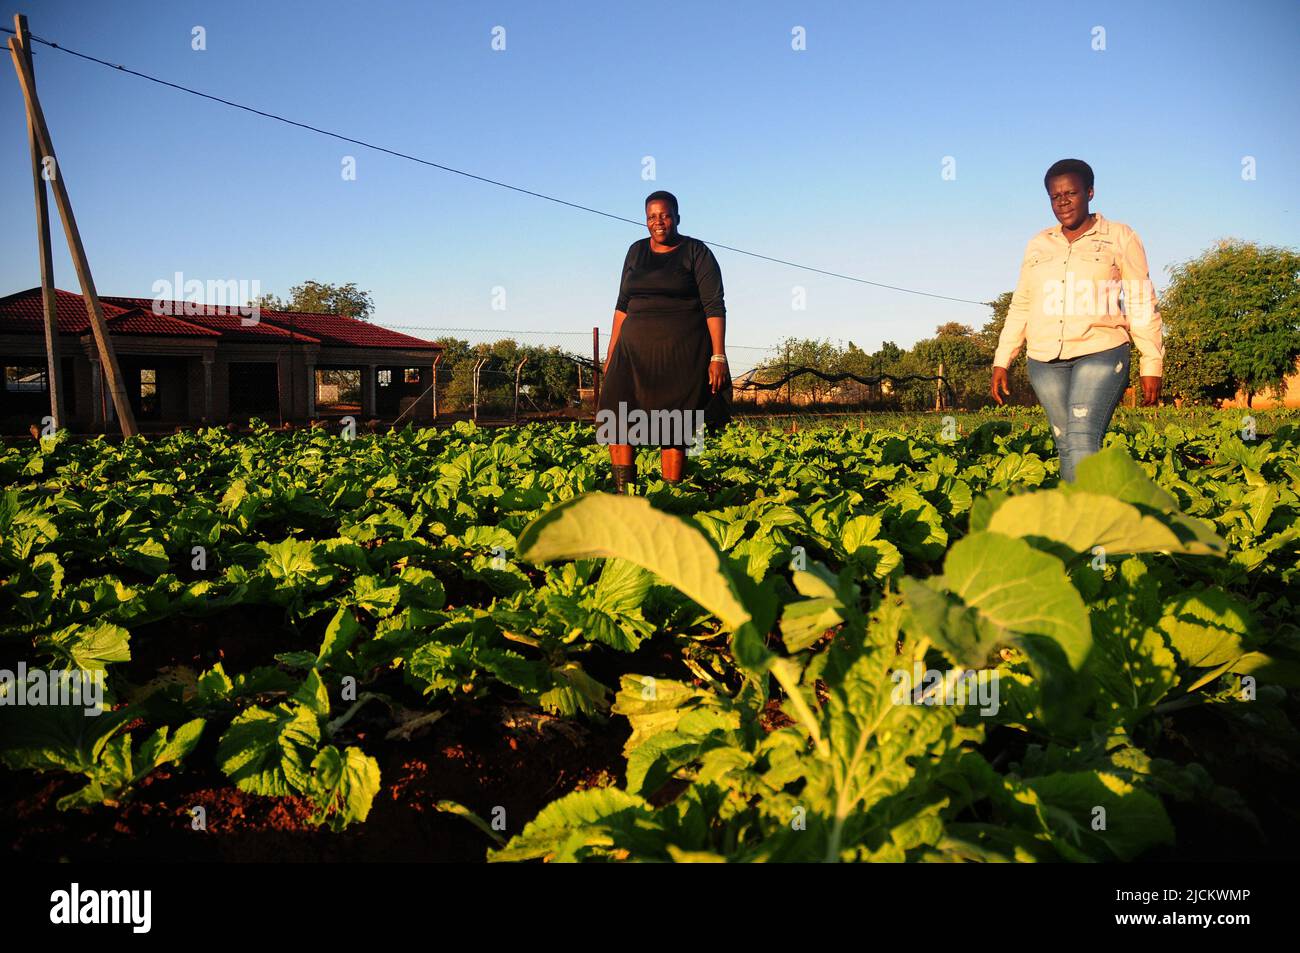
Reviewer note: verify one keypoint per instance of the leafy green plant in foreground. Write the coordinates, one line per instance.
(858, 773)
(63, 738)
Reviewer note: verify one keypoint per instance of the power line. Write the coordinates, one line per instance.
(470, 175)
(511, 332)
(419, 327)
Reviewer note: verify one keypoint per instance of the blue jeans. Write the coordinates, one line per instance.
(1080, 395)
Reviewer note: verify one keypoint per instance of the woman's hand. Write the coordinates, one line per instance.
(717, 376)
(1150, 391)
(1000, 381)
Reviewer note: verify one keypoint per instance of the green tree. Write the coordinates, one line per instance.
(455, 354)
(958, 350)
(889, 358)
(1233, 318)
(954, 329)
(1196, 365)
(912, 394)
(549, 372)
(323, 298)
(460, 386)
(1022, 392)
(993, 329)
(807, 352)
(854, 360)
(888, 353)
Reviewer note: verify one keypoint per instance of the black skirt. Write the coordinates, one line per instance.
(661, 363)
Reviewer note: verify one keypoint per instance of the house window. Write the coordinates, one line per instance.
(412, 375)
(25, 380)
(338, 390)
(385, 376)
(148, 392)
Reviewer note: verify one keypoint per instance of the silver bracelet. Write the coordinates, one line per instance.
(718, 359)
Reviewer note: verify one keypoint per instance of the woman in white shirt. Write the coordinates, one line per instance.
(1083, 298)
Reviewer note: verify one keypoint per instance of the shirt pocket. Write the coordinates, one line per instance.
(1041, 274)
(1101, 264)
(1096, 283)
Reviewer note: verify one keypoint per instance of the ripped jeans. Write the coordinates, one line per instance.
(1080, 395)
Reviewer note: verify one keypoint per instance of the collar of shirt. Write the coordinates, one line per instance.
(1099, 225)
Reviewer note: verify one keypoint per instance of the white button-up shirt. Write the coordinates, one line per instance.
(1080, 297)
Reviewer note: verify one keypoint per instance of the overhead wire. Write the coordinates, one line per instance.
(479, 178)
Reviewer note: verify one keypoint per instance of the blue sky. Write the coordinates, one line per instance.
(830, 156)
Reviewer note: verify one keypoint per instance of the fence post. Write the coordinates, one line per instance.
(518, 371)
(437, 359)
(595, 370)
(788, 398)
(478, 366)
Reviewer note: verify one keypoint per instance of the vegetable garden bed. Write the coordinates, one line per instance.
(441, 644)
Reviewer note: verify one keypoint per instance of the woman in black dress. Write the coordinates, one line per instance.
(666, 350)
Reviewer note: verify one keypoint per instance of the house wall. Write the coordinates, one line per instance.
(169, 380)
(29, 350)
(181, 375)
(294, 380)
(371, 361)
(1290, 397)
(412, 401)
(194, 387)
(82, 410)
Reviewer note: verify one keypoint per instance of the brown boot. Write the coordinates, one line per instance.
(624, 474)
(672, 462)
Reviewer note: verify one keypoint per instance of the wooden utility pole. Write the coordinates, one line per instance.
(595, 370)
(49, 304)
(94, 310)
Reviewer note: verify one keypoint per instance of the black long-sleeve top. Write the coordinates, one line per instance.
(671, 280)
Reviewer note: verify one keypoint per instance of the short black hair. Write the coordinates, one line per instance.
(1069, 167)
(662, 196)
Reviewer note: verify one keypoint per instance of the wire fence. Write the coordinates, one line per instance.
(511, 374)
(577, 344)
(496, 374)
(493, 374)
(844, 388)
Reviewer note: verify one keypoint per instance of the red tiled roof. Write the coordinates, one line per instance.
(139, 321)
(340, 330)
(229, 325)
(24, 313)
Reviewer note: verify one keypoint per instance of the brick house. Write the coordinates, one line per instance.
(187, 368)
(1290, 396)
